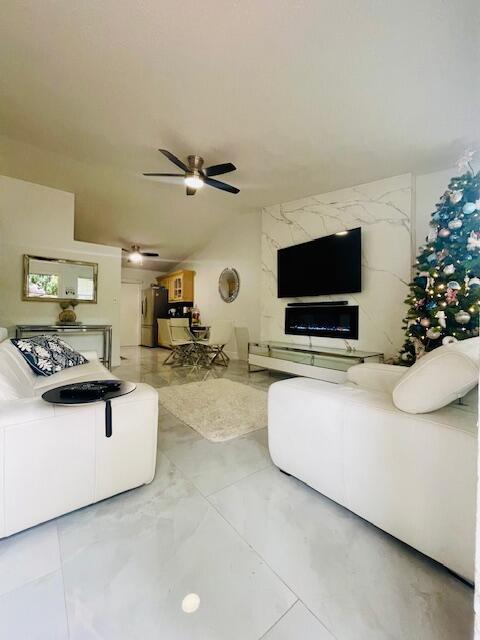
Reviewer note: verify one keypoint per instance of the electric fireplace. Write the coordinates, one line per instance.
(322, 321)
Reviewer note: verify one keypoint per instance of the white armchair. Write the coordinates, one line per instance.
(412, 475)
(54, 459)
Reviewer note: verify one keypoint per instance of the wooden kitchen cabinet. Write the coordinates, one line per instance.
(164, 281)
(180, 285)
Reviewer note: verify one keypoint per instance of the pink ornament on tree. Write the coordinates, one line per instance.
(473, 241)
(456, 196)
(450, 295)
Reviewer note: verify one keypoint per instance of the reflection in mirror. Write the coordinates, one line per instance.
(229, 284)
(53, 279)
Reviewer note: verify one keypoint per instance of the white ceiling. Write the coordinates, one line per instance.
(303, 96)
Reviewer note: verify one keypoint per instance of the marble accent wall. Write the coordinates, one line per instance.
(383, 210)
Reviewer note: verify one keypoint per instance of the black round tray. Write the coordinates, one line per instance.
(91, 391)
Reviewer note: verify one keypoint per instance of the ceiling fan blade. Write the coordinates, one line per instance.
(149, 254)
(218, 169)
(174, 159)
(221, 185)
(191, 192)
(170, 175)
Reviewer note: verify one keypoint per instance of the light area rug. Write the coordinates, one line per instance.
(219, 409)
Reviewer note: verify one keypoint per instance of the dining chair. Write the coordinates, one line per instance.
(220, 334)
(181, 342)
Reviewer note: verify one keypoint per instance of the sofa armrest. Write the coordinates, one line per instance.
(25, 410)
(376, 376)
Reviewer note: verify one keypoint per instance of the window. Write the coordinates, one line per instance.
(43, 284)
(84, 289)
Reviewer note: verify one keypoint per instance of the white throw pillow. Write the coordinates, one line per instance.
(469, 348)
(435, 380)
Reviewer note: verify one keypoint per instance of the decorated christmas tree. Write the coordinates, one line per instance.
(444, 296)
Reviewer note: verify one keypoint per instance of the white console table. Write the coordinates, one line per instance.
(105, 330)
(323, 363)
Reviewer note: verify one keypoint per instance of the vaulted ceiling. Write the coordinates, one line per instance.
(303, 96)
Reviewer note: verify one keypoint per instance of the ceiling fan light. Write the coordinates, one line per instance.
(135, 257)
(194, 181)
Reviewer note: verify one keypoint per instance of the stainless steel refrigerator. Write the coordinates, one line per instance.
(154, 306)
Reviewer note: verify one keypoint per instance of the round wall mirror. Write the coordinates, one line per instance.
(229, 284)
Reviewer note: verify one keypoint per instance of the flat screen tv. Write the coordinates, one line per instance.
(324, 266)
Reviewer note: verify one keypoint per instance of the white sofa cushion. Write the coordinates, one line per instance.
(435, 380)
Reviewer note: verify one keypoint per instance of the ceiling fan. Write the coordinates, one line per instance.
(136, 256)
(196, 176)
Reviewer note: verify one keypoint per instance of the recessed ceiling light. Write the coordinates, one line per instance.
(190, 603)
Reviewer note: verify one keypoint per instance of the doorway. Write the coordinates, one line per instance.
(130, 301)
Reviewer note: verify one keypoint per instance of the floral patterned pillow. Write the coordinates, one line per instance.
(47, 355)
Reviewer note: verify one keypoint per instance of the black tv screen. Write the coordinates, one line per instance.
(327, 265)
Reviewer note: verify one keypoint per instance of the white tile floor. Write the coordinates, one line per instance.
(269, 558)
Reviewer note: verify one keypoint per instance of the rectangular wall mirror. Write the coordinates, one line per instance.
(50, 279)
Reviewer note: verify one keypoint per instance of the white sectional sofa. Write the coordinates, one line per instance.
(54, 459)
(412, 475)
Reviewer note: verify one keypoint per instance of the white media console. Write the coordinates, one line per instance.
(323, 363)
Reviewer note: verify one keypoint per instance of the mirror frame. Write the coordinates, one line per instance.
(26, 263)
(237, 288)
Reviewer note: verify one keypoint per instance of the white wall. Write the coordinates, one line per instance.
(144, 277)
(38, 220)
(237, 244)
(130, 314)
(429, 188)
(382, 209)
